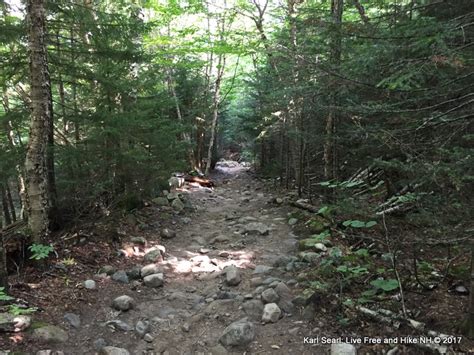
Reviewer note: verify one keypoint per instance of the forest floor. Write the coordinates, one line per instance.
(236, 224)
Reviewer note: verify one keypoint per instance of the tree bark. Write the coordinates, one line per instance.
(5, 208)
(36, 162)
(330, 155)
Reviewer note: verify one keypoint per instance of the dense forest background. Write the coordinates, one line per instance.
(364, 107)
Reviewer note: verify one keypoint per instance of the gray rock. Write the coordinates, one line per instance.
(142, 327)
(123, 303)
(253, 309)
(134, 273)
(309, 256)
(120, 276)
(320, 247)
(256, 228)
(112, 350)
(232, 276)
(292, 221)
(107, 269)
(11, 323)
(239, 333)
(148, 338)
(343, 349)
(150, 269)
(270, 280)
(90, 284)
(173, 195)
(119, 324)
(160, 201)
(168, 233)
(282, 290)
(270, 296)
(262, 269)
(99, 343)
(256, 281)
(73, 319)
(50, 334)
(177, 205)
(153, 280)
(41, 352)
(271, 313)
(152, 256)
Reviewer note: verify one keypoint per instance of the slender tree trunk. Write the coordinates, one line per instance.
(36, 163)
(10, 201)
(215, 111)
(330, 154)
(5, 208)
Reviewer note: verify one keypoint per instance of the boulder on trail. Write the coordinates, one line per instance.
(120, 276)
(167, 233)
(160, 201)
(271, 313)
(153, 280)
(232, 275)
(239, 333)
(150, 269)
(123, 303)
(270, 296)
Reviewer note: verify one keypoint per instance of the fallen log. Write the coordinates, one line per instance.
(305, 206)
(198, 180)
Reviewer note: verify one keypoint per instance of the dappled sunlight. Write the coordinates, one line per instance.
(196, 263)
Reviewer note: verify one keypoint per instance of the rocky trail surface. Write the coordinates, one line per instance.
(218, 280)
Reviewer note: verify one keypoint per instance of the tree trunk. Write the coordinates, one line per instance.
(330, 154)
(5, 208)
(10, 201)
(3, 265)
(36, 163)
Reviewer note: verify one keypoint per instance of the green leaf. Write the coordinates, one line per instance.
(370, 224)
(385, 285)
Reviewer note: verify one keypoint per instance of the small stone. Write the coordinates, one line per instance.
(292, 221)
(112, 350)
(148, 338)
(152, 256)
(270, 296)
(270, 280)
(262, 269)
(153, 280)
(239, 333)
(320, 247)
(142, 327)
(120, 276)
(461, 290)
(343, 349)
(168, 233)
(160, 201)
(89, 284)
(123, 303)
(186, 327)
(271, 313)
(282, 290)
(278, 200)
(177, 205)
(119, 324)
(218, 350)
(99, 343)
(107, 269)
(73, 319)
(150, 269)
(134, 273)
(232, 276)
(50, 334)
